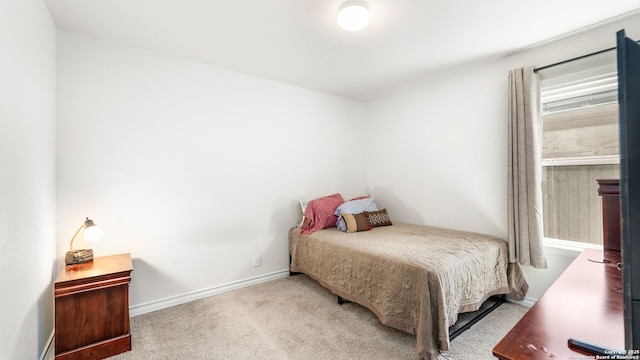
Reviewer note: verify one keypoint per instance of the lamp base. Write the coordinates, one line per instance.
(78, 256)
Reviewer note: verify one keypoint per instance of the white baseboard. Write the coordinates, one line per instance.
(203, 293)
(47, 353)
(527, 301)
(150, 306)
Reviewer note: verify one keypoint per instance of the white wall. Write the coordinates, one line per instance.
(437, 150)
(27, 178)
(195, 169)
(192, 169)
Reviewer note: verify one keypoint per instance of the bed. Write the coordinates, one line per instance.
(414, 278)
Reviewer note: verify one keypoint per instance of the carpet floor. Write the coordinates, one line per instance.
(290, 319)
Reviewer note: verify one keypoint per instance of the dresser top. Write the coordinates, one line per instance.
(100, 266)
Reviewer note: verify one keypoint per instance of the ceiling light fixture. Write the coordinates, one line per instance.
(353, 15)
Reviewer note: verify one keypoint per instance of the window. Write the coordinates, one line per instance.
(580, 145)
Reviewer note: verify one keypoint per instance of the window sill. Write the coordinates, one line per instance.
(567, 248)
(583, 160)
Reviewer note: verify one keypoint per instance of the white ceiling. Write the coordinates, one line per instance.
(298, 41)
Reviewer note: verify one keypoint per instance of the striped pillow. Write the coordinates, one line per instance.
(356, 222)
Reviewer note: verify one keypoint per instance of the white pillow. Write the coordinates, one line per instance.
(354, 207)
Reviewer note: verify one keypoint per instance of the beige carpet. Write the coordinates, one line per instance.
(289, 319)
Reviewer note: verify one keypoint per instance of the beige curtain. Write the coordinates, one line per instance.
(524, 225)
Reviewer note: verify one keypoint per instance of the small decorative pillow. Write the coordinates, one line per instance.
(356, 222)
(378, 218)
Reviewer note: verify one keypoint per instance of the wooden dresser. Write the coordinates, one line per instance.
(92, 308)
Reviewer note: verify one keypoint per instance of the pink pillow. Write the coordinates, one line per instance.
(320, 213)
(360, 197)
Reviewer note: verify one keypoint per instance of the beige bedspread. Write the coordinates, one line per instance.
(414, 278)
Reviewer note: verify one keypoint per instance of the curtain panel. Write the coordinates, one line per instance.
(524, 193)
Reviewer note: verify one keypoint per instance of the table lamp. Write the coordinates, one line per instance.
(92, 232)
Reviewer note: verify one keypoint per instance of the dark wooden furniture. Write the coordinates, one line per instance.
(628, 60)
(609, 190)
(585, 303)
(92, 308)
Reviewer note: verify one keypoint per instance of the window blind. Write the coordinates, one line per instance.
(587, 82)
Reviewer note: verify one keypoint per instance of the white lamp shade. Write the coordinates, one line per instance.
(93, 233)
(353, 15)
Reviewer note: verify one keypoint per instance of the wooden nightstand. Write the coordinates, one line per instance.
(92, 308)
